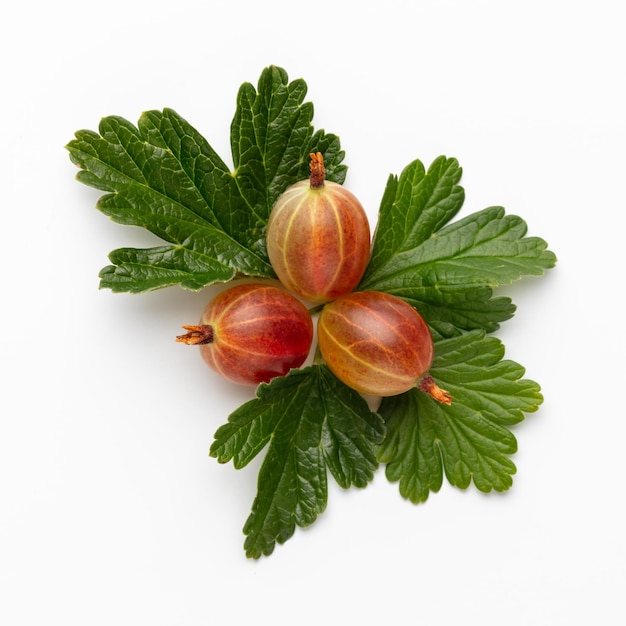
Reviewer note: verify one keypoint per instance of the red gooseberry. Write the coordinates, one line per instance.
(251, 333)
(378, 344)
(318, 237)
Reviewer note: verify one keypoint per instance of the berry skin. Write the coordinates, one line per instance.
(251, 333)
(318, 237)
(378, 344)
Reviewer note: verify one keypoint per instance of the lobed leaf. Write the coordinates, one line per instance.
(312, 423)
(164, 176)
(271, 139)
(448, 308)
(138, 270)
(413, 207)
(448, 271)
(150, 187)
(469, 440)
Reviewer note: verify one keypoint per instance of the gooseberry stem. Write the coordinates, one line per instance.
(429, 386)
(197, 335)
(318, 171)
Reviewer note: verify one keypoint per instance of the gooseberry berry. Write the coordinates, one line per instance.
(251, 333)
(378, 344)
(318, 237)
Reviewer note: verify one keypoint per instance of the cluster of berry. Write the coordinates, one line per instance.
(318, 242)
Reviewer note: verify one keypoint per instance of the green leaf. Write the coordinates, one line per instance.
(448, 308)
(164, 176)
(136, 271)
(415, 206)
(272, 137)
(448, 271)
(470, 439)
(312, 423)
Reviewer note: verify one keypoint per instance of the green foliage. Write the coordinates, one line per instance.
(448, 270)
(312, 423)
(164, 176)
(469, 440)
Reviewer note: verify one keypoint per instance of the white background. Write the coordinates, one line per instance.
(111, 511)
